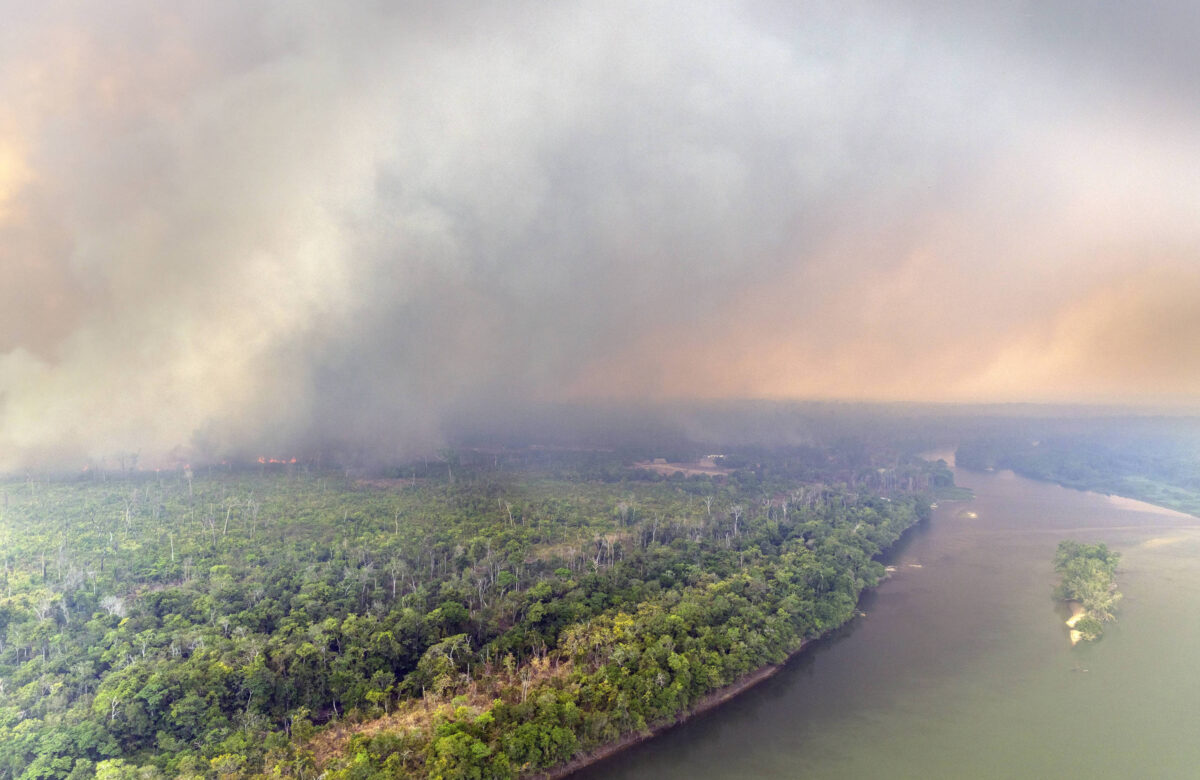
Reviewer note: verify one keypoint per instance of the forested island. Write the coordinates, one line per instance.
(484, 614)
(1087, 577)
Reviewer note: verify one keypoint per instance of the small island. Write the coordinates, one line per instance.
(1087, 582)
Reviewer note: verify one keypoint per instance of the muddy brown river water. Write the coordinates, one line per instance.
(962, 667)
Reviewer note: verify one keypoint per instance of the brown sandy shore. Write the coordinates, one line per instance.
(712, 700)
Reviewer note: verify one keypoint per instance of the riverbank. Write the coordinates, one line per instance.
(706, 703)
(961, 669)
(664, 645)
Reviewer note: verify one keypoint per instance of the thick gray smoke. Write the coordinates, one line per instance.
(257, 227)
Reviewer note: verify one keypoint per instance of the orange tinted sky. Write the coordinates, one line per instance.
(232, 224)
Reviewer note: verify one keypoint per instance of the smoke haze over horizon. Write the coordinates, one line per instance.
(263, 226)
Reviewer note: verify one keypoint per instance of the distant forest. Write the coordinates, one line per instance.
(1151, 459)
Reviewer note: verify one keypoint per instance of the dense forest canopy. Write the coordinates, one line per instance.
(494, 610)
(487, 613)
(1088, 576)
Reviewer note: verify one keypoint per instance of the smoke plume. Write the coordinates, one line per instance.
(254, 228)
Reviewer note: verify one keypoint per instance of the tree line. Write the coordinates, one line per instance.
(482, 622)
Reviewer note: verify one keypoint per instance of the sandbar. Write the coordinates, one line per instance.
(1077, 612)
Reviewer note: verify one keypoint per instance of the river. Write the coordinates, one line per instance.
(961, 666)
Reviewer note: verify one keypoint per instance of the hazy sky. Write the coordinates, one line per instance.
(263, 225)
